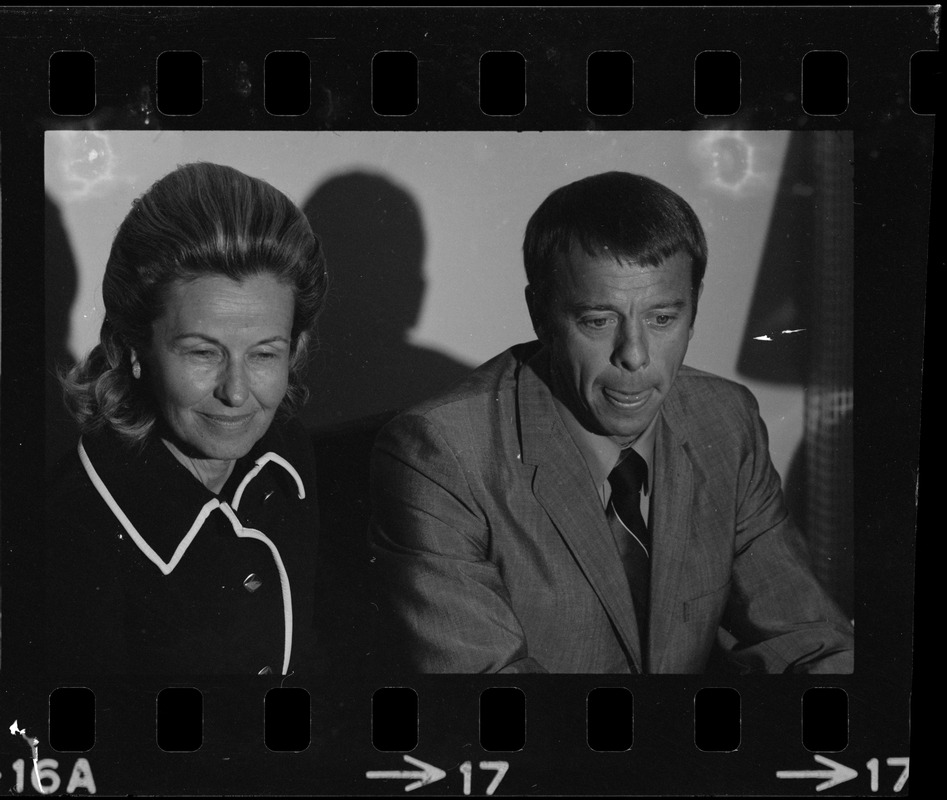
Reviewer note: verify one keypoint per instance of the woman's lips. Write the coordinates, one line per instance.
(627, 401)
(228, 422)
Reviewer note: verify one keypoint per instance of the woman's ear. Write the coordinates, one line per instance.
(136, 363)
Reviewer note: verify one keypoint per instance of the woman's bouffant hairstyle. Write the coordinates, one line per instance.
(200, 220)
(628, 216)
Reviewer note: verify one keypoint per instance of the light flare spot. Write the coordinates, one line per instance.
(728, 160)
(87, 162)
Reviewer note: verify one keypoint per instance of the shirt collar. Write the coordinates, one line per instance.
(602, 453)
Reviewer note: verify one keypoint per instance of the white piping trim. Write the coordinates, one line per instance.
(166, 567)
(260, 463)
(252, 533)
(244, 533)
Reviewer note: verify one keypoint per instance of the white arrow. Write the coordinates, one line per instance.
(838, 773)
(428, 774)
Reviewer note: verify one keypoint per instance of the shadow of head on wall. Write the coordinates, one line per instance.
(364, 363)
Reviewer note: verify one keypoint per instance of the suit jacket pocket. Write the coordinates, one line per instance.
(707, 605)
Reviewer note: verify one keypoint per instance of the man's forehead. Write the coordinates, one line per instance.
(578, 263)
(579, 252)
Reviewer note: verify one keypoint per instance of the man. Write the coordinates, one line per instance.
(585, 503)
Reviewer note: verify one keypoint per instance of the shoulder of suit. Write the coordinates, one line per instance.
(74, 511)
(691, 380)
(709, 405)
(67, 484)
(493, 381)
(477, 417)
(287, 437)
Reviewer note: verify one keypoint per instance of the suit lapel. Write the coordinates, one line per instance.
(577, 515)
(671, 527)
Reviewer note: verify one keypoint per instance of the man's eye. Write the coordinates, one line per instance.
(265, 355)
(663, 320)
(596, 323)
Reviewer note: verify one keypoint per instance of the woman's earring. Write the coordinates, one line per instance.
(136, 370)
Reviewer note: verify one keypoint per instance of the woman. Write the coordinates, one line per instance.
(181, 533)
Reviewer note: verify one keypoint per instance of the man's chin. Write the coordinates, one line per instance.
(622, 430)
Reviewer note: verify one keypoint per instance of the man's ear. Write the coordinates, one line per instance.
(536, 314)
(700, 291)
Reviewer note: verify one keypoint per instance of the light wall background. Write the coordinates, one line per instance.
(474, 193)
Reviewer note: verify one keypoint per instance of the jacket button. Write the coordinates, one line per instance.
(252, 582)
(265, 671)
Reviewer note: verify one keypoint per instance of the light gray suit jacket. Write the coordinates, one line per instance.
(495, 552)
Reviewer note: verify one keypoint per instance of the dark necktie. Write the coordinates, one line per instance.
(631, 532)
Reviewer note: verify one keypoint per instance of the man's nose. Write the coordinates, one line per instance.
(631, 347)
(233, 388)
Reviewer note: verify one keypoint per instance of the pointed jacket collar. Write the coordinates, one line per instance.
(560, 468)
(577, 514)
(159, 503)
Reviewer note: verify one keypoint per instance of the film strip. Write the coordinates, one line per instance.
(801, 136)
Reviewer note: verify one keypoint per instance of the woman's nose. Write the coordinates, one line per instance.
(233, 388)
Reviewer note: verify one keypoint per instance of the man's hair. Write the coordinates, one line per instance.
(626, 216)
(200, 220)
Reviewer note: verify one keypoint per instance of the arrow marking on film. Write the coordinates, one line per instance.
(427, 774)
(838, 773)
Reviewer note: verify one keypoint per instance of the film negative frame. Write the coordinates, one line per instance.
(893, 148)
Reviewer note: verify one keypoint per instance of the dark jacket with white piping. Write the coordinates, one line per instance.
(149, 572)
